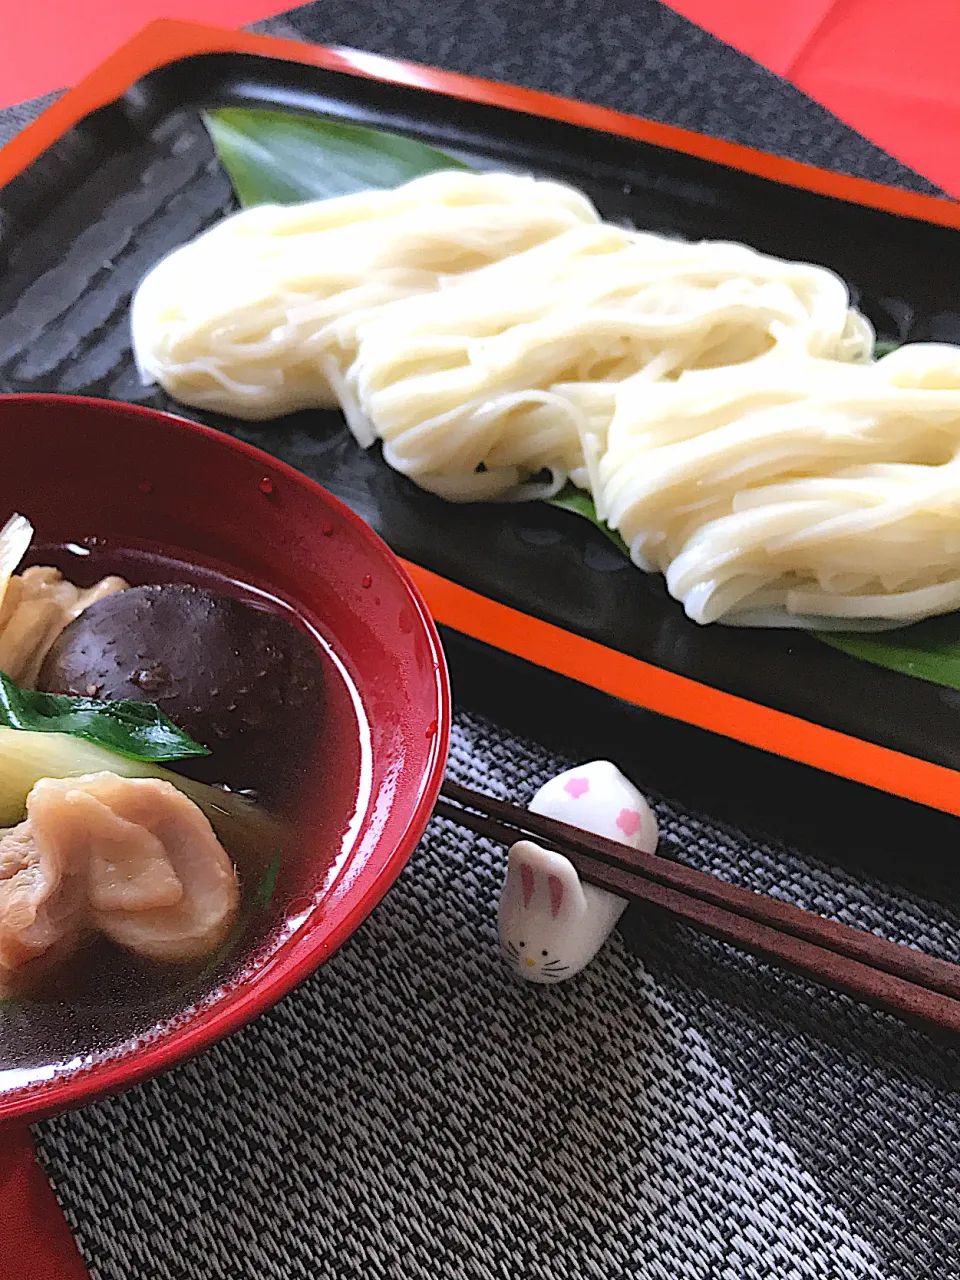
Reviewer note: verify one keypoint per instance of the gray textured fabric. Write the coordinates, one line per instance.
(17, 117)
(633, 55)
(413, 1112)
(677, 1113)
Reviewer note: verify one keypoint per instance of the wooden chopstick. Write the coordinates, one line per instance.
(894, 977)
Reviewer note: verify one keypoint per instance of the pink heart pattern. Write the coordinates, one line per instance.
(628, 820)
(577, 787)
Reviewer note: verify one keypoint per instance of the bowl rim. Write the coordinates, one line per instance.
(299, 956)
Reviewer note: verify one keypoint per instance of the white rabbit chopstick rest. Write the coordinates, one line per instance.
(551, 924)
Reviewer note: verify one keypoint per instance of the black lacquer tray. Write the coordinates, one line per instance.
(97, 201)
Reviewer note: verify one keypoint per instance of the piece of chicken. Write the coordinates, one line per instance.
(42, 905)
(38, 604)
(131, 858)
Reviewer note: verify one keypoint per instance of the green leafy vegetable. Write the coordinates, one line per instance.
(274, 157)
(883, 347)
(573, 499)
(927, 650)
(268, 882)
(137, 730)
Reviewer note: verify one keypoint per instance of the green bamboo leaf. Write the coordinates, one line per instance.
(927, 650)
(274, 157)
(883, 346)
(573, 499)
(138, 730)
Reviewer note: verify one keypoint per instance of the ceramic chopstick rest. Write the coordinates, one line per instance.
(552, 924)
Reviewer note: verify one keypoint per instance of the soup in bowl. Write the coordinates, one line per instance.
(225, 717)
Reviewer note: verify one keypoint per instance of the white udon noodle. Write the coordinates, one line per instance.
(506, 367)
(256, 316)
(793, 490)
(718, 403)
(466, 319)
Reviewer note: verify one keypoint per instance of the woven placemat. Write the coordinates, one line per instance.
(412, 1111)
(677, 1113)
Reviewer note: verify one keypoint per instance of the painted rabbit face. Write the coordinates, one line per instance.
(542, 905)
(551, 924)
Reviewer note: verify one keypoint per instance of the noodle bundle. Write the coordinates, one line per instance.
(253, 316)
(720, 405)
(493, 369)
(467, 320)
(794, 491)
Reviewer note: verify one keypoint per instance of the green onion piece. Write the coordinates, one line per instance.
(138, 730)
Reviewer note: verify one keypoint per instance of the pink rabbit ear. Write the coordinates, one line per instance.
(556, 894)
(526, 880)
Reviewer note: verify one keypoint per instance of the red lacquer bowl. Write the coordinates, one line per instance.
(84, 469)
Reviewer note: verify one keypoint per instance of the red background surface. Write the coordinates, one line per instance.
(35, 1241)
(51, 44)
(886, 67)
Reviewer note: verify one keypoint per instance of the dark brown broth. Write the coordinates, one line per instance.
(104, 997)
